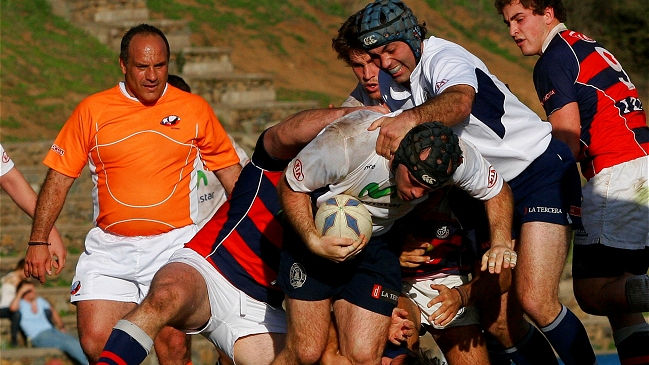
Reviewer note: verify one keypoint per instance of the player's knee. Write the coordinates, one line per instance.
(92, 344)
(587, 301)
(307, 354)
(173, 346)
(163, 299)
(587, 295)
(365, 353)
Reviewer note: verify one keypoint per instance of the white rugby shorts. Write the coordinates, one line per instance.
(615, 209)
(421, 293)
(234, 313)
(121, 268)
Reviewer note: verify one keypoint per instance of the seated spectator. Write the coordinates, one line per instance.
(9, 284)
(37, 327)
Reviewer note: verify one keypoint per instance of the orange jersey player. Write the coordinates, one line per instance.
(143, 141)
(142, 159)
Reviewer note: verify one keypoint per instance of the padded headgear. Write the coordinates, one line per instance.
(441, 162)
(386, 21)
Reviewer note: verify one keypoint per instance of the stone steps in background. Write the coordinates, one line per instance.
(197, 61)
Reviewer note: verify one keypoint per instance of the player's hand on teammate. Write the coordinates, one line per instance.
(413, 253)
(400, 326)
(339, 249)
(451, 302)
(393, 129)
(40, 260)
(499, 257)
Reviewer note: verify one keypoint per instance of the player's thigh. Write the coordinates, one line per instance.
(308, 328)
(462, 345)
(361, 332)
(96, 319)
(542, 251)
(259, 349)
(179, 294)
(308, 322)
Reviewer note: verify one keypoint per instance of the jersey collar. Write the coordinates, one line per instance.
(122, 88)
(557, 28)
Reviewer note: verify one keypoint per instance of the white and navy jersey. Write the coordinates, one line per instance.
(343, 160)
(507, 133)
(396, 97)
(359, 97)
(6, 164)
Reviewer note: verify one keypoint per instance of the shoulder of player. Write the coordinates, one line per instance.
(353, 123)
(103, 96)
(435, 46)
(174, 94)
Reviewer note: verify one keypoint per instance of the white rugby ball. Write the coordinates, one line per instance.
(343, 216)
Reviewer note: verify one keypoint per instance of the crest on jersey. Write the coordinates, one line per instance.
(76, 286)
(493, 177)
(442, 232)
(297, 275)
(170, 120)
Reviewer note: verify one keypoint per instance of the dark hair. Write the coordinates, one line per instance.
(421, 357)
(347, 39)
(177, 81)
(20, 264)
(142, 29)
(23, 283)
(537, 6)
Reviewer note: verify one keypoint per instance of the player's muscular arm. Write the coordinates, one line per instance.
(566, 126)
(500, 212)
(297, 210)
(228, 176)
(287, 138)
(38, 259)
(450, 107)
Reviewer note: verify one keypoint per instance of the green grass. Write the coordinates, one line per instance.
(41, 66)
(489, 20)
(288, 95)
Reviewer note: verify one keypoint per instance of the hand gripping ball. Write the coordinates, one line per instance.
(343, 216)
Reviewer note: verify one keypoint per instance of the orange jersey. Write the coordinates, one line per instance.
(142, 158)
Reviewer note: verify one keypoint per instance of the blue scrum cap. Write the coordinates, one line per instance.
(386, 21)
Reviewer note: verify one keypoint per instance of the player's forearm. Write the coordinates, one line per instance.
(500, 212)
(451, 107)
(566, 126)
(228, 177)
(49, 204)
(286, 139)
(15, 185)
(297, 210)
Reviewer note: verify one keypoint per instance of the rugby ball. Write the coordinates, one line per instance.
(343, 216)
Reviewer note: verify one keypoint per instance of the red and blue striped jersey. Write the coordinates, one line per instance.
(575, 68)
(244, 237)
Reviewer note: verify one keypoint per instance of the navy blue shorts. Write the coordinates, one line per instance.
(549, 190)
(372, 280)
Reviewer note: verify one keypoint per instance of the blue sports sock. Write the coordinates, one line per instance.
(569, 339)
(127, 344)
(533, 349)
(631, 343)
